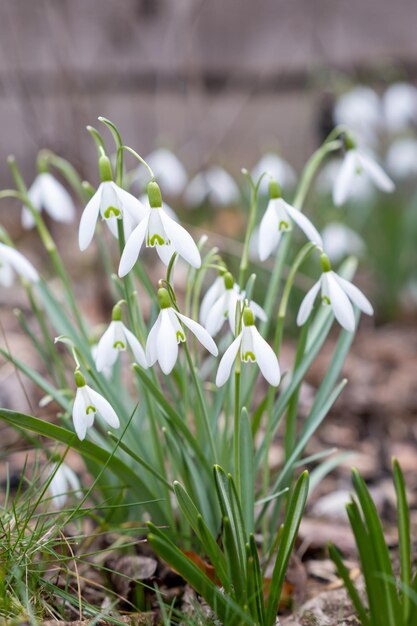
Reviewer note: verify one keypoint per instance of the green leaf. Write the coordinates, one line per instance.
(88, 450)
(403, 536)
(172, 415)
(228, 611)
(344, 575)
(246, 472)
(231, 510)
(292, 521)
(258, 580)
(379, 547)
(197, 523)
(373, 583)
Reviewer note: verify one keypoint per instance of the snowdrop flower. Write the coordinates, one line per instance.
(356, 164)
(276, 167)
(168, 332)
(112, 203)
(400, 107)
(158, 230)
(362, 191)
(115, 340)
(340, 241)
(278, 218)
(168, 169)
(164, 252)
(360, 109)
(64, 480)
(252, 348)
(87, 404)
(223, 306)
(401, 159)
(214, 184)
(337, 293)
(47, 193)
(11, 262)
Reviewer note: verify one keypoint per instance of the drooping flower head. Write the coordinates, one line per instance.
(111, 202)
(168, 332)
(224, 306)
(251, 348)
(115, 340)
(215, 185)
(64, 480)
(158, 230)
(46, 192)
(278, 218)
(357, 163)
(336, 292)
(11, 262)
(87, 404)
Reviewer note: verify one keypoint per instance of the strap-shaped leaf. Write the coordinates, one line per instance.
(403, 537)
(292, 521)
(246, 471)
(351, 589)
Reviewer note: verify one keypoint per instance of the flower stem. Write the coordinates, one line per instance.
(203, 406)
(236, 430)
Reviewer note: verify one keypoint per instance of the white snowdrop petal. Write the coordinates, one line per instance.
(269, 234)
(165, 253)
(106, 354)
(227, 360)
(210, 297)
(56, 199)
(132, 248)
(104, 408)
(18, 262)
(376, 173)
(72, 480)
(345, 178)
(28, 221)
(35, 193)
(182, 241)
(133, 206)
(340, 303)
(215, 317)
(58, 486)
(307, 304)
(355, 295)
(166, 343)
(89, 220)
(151, 353)
(306, 226)
(265, 358)
(136, 348)
(201, 333)
(78, 415)
(258, 311)
(6, 274)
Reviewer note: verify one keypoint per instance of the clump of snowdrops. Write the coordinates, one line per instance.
(175, 411)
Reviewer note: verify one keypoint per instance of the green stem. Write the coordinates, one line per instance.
(203, 406)
(236, 430)
(135, 318)
(48, 243)
(249, 230)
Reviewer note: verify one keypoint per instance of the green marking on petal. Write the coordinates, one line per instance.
(249, 357)
(91, 409)
(112, 211)
(180, 336)
(326, 300)
(156, 240)
(283, 225)
(119, 345)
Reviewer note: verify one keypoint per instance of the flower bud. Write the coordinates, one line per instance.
(154, 195)
(79, 379)
(105, 168)
(116, 315)
(163, 298)
(325, 263)
(248, 318)
(348, 142)
(228, 280)
(274, 189)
